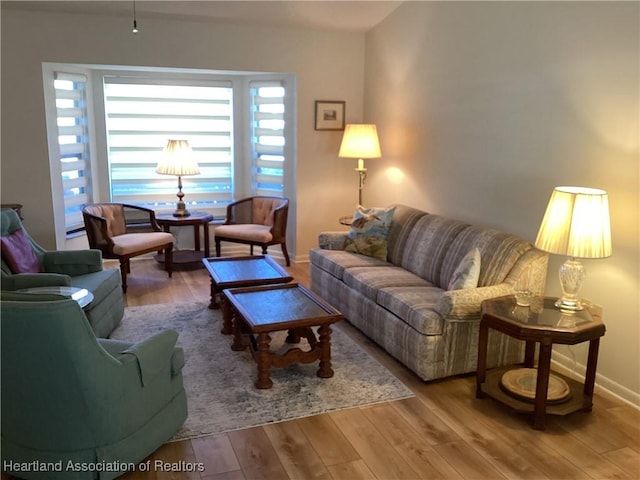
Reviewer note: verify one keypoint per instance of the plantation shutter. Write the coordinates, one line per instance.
(73, 143)
(267, 137)
(142, 114)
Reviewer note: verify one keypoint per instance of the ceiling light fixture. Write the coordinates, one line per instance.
(135, 23)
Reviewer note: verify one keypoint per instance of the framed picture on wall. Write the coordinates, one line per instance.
(329, 115)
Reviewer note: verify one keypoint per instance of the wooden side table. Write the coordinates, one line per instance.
(167, 220)
(544, 324)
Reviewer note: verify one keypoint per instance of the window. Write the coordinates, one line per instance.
(72, 146)
(240, 127)
(141, 115)
(267, 137)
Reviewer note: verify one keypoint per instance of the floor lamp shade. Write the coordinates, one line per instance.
(177, 160)
(360, 141)
(576, 224)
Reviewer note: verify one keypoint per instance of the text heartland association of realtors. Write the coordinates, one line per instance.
(114, 466)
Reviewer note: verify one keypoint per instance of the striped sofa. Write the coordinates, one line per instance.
(401, 304)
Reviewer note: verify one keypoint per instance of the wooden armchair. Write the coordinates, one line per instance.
(109, 231)
(259, 220)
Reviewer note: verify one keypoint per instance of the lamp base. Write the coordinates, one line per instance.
(568, 305)
(181, 210)
(572, 274)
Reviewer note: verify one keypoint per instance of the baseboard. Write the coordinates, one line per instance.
(567, 366)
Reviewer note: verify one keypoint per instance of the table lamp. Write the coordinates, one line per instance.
(576, 223)
(178, 161)
(360, 141)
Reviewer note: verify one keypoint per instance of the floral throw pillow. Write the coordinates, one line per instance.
(369, 232)
(467, 273)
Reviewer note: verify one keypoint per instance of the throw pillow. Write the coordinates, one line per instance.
(467, 273)
(17, 252)
(369, 232)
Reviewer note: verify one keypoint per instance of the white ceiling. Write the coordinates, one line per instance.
(352, 16)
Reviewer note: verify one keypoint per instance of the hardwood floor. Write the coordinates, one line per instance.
(442, 433)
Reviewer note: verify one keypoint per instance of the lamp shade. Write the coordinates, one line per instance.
(360, 141)
(177, 160)
(576, 223)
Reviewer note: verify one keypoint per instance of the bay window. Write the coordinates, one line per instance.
(108, 126)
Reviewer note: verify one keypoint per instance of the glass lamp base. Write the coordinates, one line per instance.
(568, 305)
(572, 274)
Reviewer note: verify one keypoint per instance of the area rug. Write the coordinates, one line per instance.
(219, 382)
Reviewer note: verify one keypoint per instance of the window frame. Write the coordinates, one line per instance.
(242, 148)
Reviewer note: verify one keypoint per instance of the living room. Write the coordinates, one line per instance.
(482, 109)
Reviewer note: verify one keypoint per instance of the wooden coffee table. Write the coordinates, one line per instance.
(259, 311)
(237, 272)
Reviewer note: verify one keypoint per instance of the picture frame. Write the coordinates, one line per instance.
(329, 115)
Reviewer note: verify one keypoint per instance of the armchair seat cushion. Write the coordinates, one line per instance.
(130, 243)
(101, 283)
(248, 232)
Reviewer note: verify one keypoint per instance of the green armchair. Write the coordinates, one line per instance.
(75, 268)
(81, 402)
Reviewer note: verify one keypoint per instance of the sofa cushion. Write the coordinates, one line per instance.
(467, 273)
(18, 253)
(414, 305)
(499, 251)
(404, 218)
(369, 231)
(336, 261)
(368, 280)
(428, 244)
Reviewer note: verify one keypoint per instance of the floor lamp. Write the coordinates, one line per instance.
(360, 141)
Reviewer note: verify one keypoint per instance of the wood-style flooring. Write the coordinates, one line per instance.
(442, 433)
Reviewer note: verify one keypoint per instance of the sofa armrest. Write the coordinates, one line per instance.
(332, 240)
(72, 262)
(30, 280)
(465, 304)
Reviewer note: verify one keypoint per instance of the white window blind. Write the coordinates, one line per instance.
(73, 143)
(267, 137)
(142, 114)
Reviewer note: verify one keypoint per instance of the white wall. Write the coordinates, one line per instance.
(484, 107)
(328, 66)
